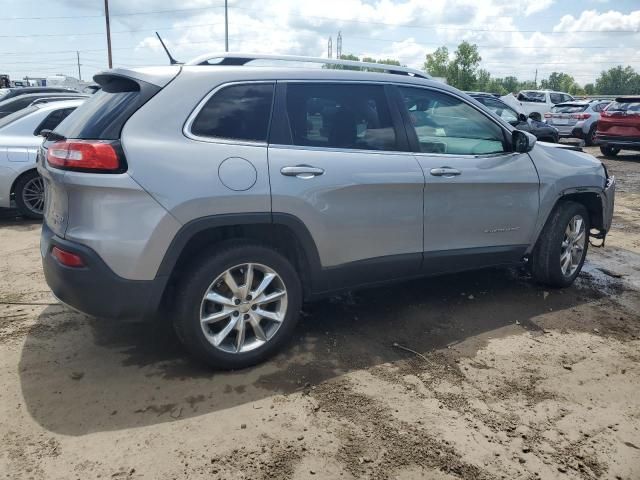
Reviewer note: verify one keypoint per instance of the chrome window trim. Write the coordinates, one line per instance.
(338, 150)
(186, 129)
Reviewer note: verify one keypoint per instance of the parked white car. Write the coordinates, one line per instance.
(535, 103)
(20, 183)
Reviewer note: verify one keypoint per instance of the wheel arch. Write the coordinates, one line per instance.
(282, 232)
(33, 168)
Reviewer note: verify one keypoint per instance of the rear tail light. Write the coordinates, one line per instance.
(99, 156)
(67, 259)
(581, 116)
(547, 115)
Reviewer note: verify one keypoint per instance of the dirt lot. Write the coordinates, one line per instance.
(509, 380)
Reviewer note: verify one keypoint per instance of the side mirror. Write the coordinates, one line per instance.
(522, 117)
(522, 142)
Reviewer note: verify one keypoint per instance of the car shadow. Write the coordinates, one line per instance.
(82, 375)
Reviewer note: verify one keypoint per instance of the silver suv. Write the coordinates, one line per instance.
(226, 195)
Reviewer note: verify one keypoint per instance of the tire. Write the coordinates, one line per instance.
(207, 277)
(608, 151)
(29, 195)
(590, 137)
(547, 258)
(536, 116)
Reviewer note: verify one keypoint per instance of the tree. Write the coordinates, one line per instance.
(558, 81)
(618, 81)
(589, 89)
(510, 84)
(462, 70)
(483, 81)
(437, 63)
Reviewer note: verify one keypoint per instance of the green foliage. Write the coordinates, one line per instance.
(589, 89)
(463, 69)
(437, 63)
(618, 81)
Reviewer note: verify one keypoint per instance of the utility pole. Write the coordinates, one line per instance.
(106, 16)
(78, 60)
(339, 46)
(535, 80)
(330, 48)
(226, 26)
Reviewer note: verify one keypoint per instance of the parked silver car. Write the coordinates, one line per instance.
(577, 119)
(19, 142)
(225, 195)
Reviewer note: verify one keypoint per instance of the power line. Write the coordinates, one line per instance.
(149, 12)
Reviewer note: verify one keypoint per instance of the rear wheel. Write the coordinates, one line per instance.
(561, 250)
(590, 138)
(29, 195)
(608, 151)
(238, 305)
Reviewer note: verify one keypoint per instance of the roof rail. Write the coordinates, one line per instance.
(244, 58)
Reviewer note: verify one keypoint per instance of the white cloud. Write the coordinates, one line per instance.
(591, 20)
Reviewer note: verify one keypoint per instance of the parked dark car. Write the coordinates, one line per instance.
(18, 103)
(542, 131)
(619, 126)
(7, 93)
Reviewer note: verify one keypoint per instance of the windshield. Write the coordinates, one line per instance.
(565, 108)
(12, 117)
(633, 108)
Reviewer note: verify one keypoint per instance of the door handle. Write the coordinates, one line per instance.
(302, 171)
(445, 172)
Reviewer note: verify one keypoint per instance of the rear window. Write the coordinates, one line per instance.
(569, 108)
(239, 112)
(633, 107)
(104, 114)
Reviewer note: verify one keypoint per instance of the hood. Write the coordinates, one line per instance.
(563, 146)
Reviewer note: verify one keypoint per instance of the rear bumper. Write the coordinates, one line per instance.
(94, 289)
(621, 142)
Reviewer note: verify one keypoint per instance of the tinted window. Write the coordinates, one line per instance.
(53, 119)
(531, 96)
(239, 112)
(445, 124)
(569, 108)
(340, 116)
(502, 110)
(556, 98)
(104, 114)
(629, 107)
(17, 104)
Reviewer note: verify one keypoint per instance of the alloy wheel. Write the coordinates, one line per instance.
(573, 246)
(243, 308)
(33, 195)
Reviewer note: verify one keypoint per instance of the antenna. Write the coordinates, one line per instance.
(172, 60)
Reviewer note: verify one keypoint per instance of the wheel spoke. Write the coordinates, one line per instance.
(271, 297)
(276, 317)
(266, 281)
(248, 280)
(241, 328)
(231, 283)
(578, 238)
(219, 337)
(217, 298)
(217, 316)
(257, 329)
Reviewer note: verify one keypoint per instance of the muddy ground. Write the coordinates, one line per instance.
(509, 380)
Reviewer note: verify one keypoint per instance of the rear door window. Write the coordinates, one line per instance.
(349, 116)
(556, 98)
(238, 112)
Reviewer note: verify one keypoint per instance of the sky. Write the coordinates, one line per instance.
(515, 37)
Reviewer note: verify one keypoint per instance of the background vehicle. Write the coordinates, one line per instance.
(17, 103)
(536, 103)
(542, 131)
(19, 142)
(619, 126)
(7, 93)
(245, 191)
(577, 119)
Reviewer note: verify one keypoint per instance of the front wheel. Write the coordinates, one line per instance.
(608, 151)
(590, 138)
(238, 305)
(561, 250)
